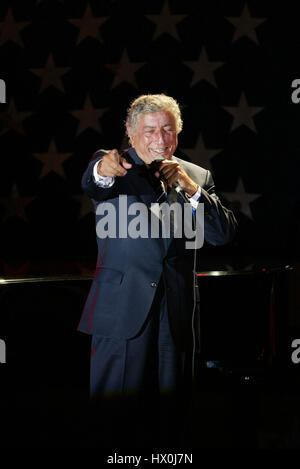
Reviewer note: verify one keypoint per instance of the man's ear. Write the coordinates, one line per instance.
(130, 135)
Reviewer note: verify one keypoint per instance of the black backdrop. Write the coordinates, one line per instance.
(71, 69)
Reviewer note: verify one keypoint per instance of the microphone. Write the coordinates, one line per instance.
(175, 185)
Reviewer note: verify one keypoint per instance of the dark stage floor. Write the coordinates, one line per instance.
(226, 412)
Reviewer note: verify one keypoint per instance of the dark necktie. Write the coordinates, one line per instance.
(157, 183)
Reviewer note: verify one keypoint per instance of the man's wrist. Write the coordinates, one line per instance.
(102, 181)
(194, 200)
(192, 190)
(99, 169)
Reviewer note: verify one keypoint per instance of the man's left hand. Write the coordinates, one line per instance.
(173, 172)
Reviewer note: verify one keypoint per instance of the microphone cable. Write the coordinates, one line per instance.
(196, 295)
(196, 302)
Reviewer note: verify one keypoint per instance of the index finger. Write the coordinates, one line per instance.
(115, 154)
(165, 163)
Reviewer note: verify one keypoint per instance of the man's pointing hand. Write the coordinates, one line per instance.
(113, 164)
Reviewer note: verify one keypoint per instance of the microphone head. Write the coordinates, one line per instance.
(155, 163)
(159, 158)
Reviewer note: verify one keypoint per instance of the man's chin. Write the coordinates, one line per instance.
(161, 156)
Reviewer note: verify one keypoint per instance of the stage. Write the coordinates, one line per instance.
(245, 389)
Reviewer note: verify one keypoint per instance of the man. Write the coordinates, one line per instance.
(139, 309)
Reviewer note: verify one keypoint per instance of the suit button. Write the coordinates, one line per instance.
(153, 284)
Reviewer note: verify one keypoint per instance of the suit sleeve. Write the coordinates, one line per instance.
(219, 222)
(89, 185)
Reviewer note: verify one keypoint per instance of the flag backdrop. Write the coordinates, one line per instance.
(72, 68)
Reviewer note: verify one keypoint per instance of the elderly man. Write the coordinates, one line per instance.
(139, 309)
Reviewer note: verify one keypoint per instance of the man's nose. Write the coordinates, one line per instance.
(160, 138)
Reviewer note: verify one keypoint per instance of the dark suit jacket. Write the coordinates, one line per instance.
(128, 270)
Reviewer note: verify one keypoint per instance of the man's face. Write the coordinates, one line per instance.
(155, 136)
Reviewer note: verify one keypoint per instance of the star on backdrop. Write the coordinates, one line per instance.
(88, 25)
(88, 117)
(166, 22)
(85, 203)
(201, 155)
(50, 75)
(16, 269)
(124, 145)
(40, 2)
(14, 204)
(245, 25)
(12, 119)
(203, 69)
(125, 70)
(10, 29)
(85, 271)
(241, 198)
(52, 160)
(243, 114)
(246, 267)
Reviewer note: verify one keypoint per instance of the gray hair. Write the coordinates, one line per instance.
(148, 103)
